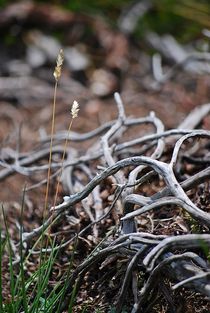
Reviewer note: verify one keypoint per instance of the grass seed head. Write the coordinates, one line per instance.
(75, 109)
(59, 63)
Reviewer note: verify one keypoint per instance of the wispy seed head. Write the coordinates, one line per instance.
(75, 109)
(59, 63)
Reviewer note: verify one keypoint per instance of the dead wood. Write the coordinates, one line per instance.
(180, 257)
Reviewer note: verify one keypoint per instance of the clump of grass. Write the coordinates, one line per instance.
(27, 294)
(33, 293)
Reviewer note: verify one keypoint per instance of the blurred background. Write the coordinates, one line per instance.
(154, 52)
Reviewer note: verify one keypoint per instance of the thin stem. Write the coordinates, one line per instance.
(62, 162)
(51, 146)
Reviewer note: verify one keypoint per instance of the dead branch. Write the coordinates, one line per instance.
(143, 251)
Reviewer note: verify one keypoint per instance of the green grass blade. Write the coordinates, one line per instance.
(11, 270)
(1, 251)
(22, 274)
(44, 273)
(73, 296)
